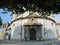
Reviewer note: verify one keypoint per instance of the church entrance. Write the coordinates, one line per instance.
(32, 34)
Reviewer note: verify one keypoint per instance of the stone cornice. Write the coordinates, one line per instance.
(33, 17)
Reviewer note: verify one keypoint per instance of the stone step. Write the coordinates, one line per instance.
(17, 42)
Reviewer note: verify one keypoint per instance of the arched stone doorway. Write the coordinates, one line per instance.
(32, 34)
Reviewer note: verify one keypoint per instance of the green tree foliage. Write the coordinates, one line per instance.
(46, 6)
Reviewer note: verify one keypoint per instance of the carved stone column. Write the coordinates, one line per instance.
(25, 33)
(37, 33)
(40, 33)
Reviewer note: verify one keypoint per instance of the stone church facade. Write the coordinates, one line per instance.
(32, 27)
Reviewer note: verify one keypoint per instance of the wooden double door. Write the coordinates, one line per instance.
(32, 34)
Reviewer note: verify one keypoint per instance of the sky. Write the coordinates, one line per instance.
(57, 18)
(7, 17)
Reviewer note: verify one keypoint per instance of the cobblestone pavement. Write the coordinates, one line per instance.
(18, 42)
